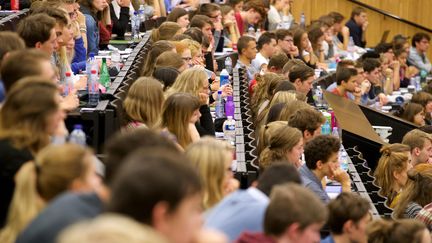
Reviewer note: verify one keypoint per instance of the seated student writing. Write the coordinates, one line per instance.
(321, 155)
(346, 80)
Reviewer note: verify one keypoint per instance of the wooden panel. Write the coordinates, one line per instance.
(378, 23)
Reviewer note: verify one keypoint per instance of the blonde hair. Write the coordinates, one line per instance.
(279, 142)
(291, 108)
(265, 130)
(394, 158)
(194, 46)
(144, 101)
(177, 112)
(190, 81)
(110, 228)
(166, 31)
(40, 181)
(208, 156)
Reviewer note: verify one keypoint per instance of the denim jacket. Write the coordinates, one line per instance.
(92, 31)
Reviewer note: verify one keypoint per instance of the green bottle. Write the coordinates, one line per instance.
(104, 77)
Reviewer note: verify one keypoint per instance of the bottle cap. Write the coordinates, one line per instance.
(229, 117)
(68, 74)
(219, 92)
(93, 71)
(229, 98)
(78, 126)
(91, 54)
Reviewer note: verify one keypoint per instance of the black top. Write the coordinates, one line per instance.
(205, 126)
(119, 25)
(65, 210)
(356, 32)
(11, 160)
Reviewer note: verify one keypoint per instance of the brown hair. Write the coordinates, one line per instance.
(243, 43)
(256, 5)
(290, 64)
(422, 98)
(306, 119)
(60, 15)
(278, 61)
(36, 28)
(416, 139)
(11, 41)
(264, 132)
(166, 31)
(409, 111)
(292, 107)
(397, 231)
(337, 17)
(357, 11)
(301, 72)
(23, 117)
(394, 158)
(208, 8)
(156, 50)
(144, 101)
(169, 59)
(200, 21)
(282, 33)
(176, 13)
(264, 90)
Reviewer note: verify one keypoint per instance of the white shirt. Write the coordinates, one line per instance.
(275, 17)
(259, 61)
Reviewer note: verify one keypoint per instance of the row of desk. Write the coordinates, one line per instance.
(9, 19)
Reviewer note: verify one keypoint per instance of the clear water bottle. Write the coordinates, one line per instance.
(116, 59)
(228, 64)
(258, 34)
(335, 132)
(229, 107)
(68, 84)
(251, 31)
(318, 97)
(418, 83)
(90, 63)
(78, 136)
(229, 129)
(224, 77)
(326, 129)
(303, 20)
(93, 89)
(220, 109)
(141, 13)
(135, 25)
(343, 160)
(351, 46)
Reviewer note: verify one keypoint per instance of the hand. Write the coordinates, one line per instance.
(218, 25)
(203, 98)
(365, 87)
(231, 186)
(341, 176)
(294, 51)
(226, 90)
(81, 18)
(215, 85)
(124, 3)
(70, 102)
(81, 83)
(365, 25)
(357, 92)
(395, 65)
(382, 99)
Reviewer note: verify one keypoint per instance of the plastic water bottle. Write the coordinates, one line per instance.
(351, 46)
(229, 107)
(78, 136)
(229, 129)
(343, 160)
(335, 132)
(224, 77)
(116, 59)
(90, 64)
(418, 83)
(303, 20)
(141, 13)
(68, 84)
(104, 78)
(258, 34)
(93, 89)
(326, 129)
(318, 97)
(251, 31)
(135, 25)
(220, 109)
(228, 64)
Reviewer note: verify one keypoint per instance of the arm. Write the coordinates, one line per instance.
(206, 125)
(345, 36)
(120, 25)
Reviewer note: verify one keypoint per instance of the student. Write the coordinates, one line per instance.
(266, 46)
(424, 99)
(357, 26)
(120, 14)
(417, 54)
(80, 206)
(244, 210)
(179, 16)
(170, 59)
(420, 144)
(143, 103)
(160, 189)
(285, 143)
(38, 31)
(204, 23)
(231, 31)
(346, 224)
(212, 159)
(213, 11)
(179, 115)
(341, 32)
(285, 43)
(156, 50)
(417, 193)
(92, 11)
(306, 53)
(412, 112)
(183, 50)
(247, 50)
(40, 181)
(277, 62)
(346, 80)
(294, 214)
(263, 91)
(302, 77)
(321, 155)
(308, 121)
(391, 171)
(253, 12)
(371, 68)
(166, 31)
(280, 13)
(24, 129)
(397, 231)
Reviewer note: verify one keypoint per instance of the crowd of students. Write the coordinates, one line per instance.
(165, 177)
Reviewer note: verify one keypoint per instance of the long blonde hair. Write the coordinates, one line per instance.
(39, 181)
(190, 81)
(208, 156)
(166, 31)
(394, 158)
(177, 112)
(144, 101)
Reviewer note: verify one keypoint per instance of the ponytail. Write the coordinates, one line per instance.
(155, 36)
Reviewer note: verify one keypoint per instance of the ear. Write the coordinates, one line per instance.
(396, 175)
(298, 82)
(292, 232)
(307, 134)
(416, 151)
(38, 45)
(159, 216)
(347, 227)
(319, 164)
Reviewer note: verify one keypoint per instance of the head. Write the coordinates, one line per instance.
(183, 50)
(344, 221)
(321, 154)
(166, 31)
(316, 37)
(247, 47)
(278, 173)
(420, 41)
(347, 78)
(212, 159)
(414, 113)
(371, 68)
(391, 171)
(171, 59)
(204, 23)
(228, 14)
(156, 50)
(284, 143)
(289, 65)
(291, 108)
(385, 49)
(284, 39)
(193, 81)
(94, 5)
(38, 31)
(294, 214)
(196, 34)
(267, 44)
(264, 133)
(417, 189)
(169, 199)
(166, 75)
(237, 5)
(144, 101)
(11, 41)
(301, 39)
(277, 62)
(178, 111)
(254, 11)
(302, 77)
(179, 16)
(195, 51)
(31, 113)
(211, 10)
(308, 121)
(420, 144)
(359, 15)
(337, 21)
(398, 231)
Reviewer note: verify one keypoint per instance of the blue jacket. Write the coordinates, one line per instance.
(92, 30)
(79, 60)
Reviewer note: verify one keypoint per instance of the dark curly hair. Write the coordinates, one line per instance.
(320, 148)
